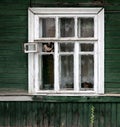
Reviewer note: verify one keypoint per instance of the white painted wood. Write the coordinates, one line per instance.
(96, 67)
(95, 26)
(76, 58)
(56, 59)
(36, 74)
(30, 55)
(30, 47)
(53, 11)
(68, 15)
(97, 40)
(65, 39)
(15, 98)
(36, 29)
(101, 51)
(56, 68)
(76, 67)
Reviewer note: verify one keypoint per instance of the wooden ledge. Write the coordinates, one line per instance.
(45, 98)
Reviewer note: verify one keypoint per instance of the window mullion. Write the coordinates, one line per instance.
(76, 67)
(56, 60)
(76, 26)
(76, 60)
(95, 68)
(36, 72)
(95, 28)
(56, 68)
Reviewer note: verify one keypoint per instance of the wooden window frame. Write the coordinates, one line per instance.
(33, 36)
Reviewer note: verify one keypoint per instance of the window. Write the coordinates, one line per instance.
(66, 51)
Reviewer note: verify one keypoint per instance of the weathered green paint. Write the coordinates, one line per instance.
(29, 114)
(55, 111)
(14, 33)
(82, 99)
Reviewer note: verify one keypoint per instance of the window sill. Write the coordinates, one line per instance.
(45, 98)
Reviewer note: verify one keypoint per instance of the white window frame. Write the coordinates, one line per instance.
(98, 39)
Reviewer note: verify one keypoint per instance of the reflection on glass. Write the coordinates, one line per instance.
(47, 27)
(87, 71)
(86, 27)
(66, 27)
(86, 47)
(48, 47)
(66, 47)
(47, 72)
(66, 72)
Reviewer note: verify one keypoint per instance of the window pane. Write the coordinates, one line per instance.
(66, 47)
(47, 27)
(87, 71)
(66, 72)
(66, 27)
(86, 27)
(48, 47)
(86, 47)
(47, 72)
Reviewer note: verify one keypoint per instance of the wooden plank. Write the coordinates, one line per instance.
(112, 90)
(63, 114)
(85, 114)
(108, 114)
(80, 117)
(118, 114)
(69, 118)
(102, 115)
(57, 112)
(113, 115)
(55, 1)
(75, 115)
(52, 115)
(39, 114)
(112, 84)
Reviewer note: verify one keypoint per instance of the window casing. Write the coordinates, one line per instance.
(66, 51)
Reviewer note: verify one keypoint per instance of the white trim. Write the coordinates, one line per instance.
(56, 57)
(37, 28)
(31, 55)
(66, 16)
(16, 98)
(76, 68)
(101, 51)
(97, 40)
(29, 49)
(56, 68)
(64, 10)
(65, 39)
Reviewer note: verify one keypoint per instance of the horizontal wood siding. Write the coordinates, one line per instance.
(36, 114)
(112, 50)
(112, 35)
(13, 34)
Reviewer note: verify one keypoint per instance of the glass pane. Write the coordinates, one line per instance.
(86, 27)
(48, 47)
(66, 72)
(86, 47)
(87, 71)
(47, 72)
(47, 27)
(66, 27)
(66, 47)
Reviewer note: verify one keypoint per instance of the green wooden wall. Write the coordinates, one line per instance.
(46, 111)
(36, 114)
(14, 33)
